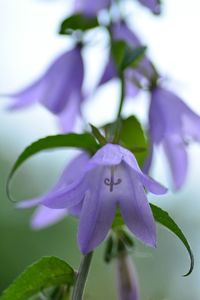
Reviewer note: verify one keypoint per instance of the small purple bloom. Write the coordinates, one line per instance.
(128, 287)
(172, 123)
(44, 216)
(90, 7)
(112, 179)
(144, 70)
(153, 5)
(59, 89)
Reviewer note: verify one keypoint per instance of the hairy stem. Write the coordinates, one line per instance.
(82, 277)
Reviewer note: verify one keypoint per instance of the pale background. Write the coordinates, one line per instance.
(29, 41)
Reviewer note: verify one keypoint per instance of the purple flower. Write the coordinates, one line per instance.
(144, 70)
(172, 123)
(59, 89)
(128, 287)
(112, 179)
(153, 5)
(90, 7)
(44, 216)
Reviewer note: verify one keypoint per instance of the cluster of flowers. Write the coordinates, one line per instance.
(91, 188)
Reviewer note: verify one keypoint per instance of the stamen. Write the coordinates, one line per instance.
(111, 181)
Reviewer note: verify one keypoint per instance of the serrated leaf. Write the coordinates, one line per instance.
(163, 218)
(77, 22)
(83, 141)
(45, 273)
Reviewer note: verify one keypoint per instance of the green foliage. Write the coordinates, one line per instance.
(163, 218)
(45, 273)
(77, 22)
(83, 141)
(97, 134)
(118, 220)
(125, 56)
(132, 137)
(129, 133)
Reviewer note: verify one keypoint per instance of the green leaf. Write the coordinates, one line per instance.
(132, 57)
(97, 134)
(45, 273)
(163, 218)
(129, 133)
(77, 22)
(126, 56)
(118, 220)
(132, 137)
(118, 49)
(84, 141)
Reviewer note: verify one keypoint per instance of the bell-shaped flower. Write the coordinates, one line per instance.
(172, 124)
(91, 8)
(153, 5)
(44, 216)
(59, 89)
(112, 179)
(127, 281)
(134, 77)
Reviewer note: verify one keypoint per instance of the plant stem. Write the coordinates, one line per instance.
(82, 277)
(122, 96)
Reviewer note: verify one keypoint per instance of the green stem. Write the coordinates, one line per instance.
(122, 96)
(82, 277)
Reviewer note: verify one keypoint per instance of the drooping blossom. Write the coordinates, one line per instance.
(153, 5)
(127, 281)
(44, 216)
(134, 77)
(172, 124)
(59, 89)
(112, 179)
(91, 8)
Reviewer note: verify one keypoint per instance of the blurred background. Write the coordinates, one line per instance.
(29, 41)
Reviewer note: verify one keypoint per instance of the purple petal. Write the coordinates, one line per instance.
(72, 172)
(132, 82)
(66, 197)
(109, 72)
(135, 209)
(55, 88)
(97, 213)
(190, 122)
(26, 97)
(62, 79)
(127, 280)
(177, 157)
(157, 116)
(153, 5)
(29, 203)
(44, 216)
(148, 162)
(121, 31)
(112, 155)
(90, 7)
(69, 115)
(166, 110)
(108, 155)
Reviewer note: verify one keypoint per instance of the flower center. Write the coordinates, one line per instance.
(110, 182)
